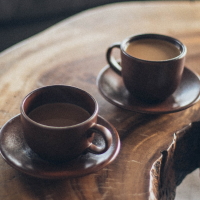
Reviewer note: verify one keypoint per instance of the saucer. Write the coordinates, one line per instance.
(112, 88)
(18, 154)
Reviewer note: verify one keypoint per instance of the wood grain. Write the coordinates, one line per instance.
(73, 52)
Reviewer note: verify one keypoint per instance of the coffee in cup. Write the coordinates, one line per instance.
(152, 49)
(59, 114)
(151, 65)
(59, 123)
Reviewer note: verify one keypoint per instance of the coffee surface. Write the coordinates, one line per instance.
(59, 114)
(152, 49)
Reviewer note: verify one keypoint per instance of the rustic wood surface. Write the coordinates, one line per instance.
(180, 160)
(73, 52)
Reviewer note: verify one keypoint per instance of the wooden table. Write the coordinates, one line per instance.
(72, 53)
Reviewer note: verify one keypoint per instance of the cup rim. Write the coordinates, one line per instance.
(92, 116)
(154, 36)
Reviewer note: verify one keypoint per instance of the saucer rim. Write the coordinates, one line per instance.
(62, 175)
(143, 111)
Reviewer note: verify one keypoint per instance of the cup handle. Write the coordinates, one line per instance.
(111, 60)
(107, 136)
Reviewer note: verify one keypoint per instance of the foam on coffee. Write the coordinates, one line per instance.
(59, 114)
(152, 49)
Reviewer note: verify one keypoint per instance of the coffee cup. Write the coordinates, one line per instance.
(151, 65)
(59, 123)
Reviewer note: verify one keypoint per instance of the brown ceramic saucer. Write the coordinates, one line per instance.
(112, 88)
(18, 154)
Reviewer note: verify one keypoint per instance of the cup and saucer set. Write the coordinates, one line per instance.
(151, 77)
(52, 148)
(58, 134)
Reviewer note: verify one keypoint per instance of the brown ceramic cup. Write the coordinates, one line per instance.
(150, 80)
(62, 143)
